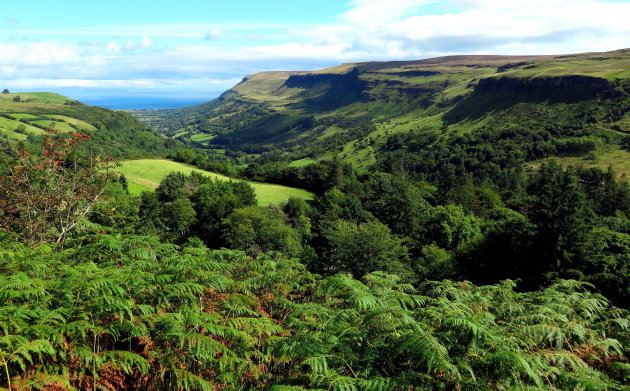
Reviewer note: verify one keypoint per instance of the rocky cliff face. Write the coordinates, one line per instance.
(310, 80)
(328, 91)
(365, 86)
(493, 84)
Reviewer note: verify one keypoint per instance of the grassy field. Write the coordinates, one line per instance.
(80, 124)
(301, 162)
(59, 126)
(202, 137)
(36, 97)
(23, 116)
(614, 66)
(146, 174)
(37, 108)
(8, 127)
(613, 156)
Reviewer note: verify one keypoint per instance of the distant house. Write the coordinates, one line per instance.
(5, 91)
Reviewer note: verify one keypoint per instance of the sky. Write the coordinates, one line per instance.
(192, 50)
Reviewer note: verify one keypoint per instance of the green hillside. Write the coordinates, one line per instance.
(364, 111)
(441, 246)
(146, 174)
(26, 117)
(37, 97)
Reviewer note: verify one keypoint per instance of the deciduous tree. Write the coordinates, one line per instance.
(45, 195)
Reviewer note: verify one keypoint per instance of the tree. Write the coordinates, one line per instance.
(17, 98)
(450, 227)
(257, 229)
(607, 263)
(244, 191)
(435, 263)
(46, 195)
(213, 202)
(117, 208)
(6, 91)
(505, 251)
(561, 216)
(398, 203)
(335, 204)
(178, 216)
(170, 187)
(363, 248)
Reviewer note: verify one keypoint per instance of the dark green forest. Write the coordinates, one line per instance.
(461, 258)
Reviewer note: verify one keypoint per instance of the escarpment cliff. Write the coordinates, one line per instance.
(568, 82)
(357, 109)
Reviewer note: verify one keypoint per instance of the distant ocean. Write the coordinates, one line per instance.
(140, 102)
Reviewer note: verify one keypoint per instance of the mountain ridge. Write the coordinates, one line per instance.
(334, 110)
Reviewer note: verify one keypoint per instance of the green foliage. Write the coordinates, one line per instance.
(257, 229)
(114, 133)
(398, 203)
(448, 198)
(335, 204)
(179, 215)
(435, 263)
(147, 174)
(359, 249)
(607, 262)
(117, 209)
(214, 201)
(562, 218)
(450, 227)
(193, 205)
(130, 312)
(44, 195)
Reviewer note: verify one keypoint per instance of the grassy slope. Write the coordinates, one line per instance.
(201, 137)
(146, 174)
(613, 156)
(301, 162)
(9, 126)
(611, 66)
(40, 109)
(37, 97)
(352, 109)
(113, 132)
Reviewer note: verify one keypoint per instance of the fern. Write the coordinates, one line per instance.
(196, 319)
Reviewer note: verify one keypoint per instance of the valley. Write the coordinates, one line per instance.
(357, 110)
(453, 223)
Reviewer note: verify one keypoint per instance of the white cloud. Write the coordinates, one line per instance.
(370, 30)
(113, 48)
(214, 33)
(39, 54)
(140, 84)
(567, 23)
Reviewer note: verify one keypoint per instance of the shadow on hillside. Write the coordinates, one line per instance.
(498, 94)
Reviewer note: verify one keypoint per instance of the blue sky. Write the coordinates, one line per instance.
(198, 49)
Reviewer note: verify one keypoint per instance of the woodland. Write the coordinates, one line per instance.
(472, 260)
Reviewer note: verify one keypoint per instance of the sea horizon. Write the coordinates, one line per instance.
(117, 102)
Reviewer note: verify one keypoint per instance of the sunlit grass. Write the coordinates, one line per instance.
(146, 174)
(301, 162)
(613, 156)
